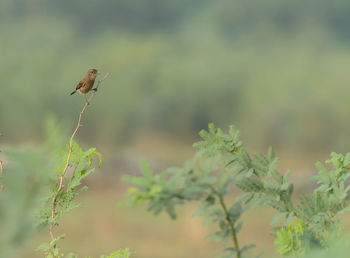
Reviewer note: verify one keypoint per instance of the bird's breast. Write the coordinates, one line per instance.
(87, 86)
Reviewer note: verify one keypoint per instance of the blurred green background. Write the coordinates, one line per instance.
(278, 70)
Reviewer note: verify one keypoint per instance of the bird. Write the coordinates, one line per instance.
(86, 84)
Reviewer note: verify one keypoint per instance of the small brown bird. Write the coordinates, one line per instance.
(85, 85)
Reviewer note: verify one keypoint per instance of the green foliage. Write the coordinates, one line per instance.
(24, 181)
(338, 247)
(82, 164)
(39, 185)
(31, 179)
(202, 179)
(121, 253)
(289, 239)
(52, 251)
(72, 166)
(221, 162)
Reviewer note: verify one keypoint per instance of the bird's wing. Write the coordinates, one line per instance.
(80, 84)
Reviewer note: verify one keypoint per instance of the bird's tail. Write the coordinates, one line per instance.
(73, 92)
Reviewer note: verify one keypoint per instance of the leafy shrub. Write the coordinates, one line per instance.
(28, 181)
(222, 161)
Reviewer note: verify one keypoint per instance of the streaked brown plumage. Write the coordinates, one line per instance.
(86, 84)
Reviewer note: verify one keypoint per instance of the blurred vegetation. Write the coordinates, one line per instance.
(221, 161)
(24, 184)
(278, 70)
(32, 177)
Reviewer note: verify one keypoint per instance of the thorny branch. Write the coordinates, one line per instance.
(62, 175)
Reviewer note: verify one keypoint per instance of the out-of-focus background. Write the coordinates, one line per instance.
(277, 70)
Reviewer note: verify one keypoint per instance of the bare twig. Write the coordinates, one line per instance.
(62, 175)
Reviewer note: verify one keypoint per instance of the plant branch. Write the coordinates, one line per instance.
(229, 221)
(64, 171)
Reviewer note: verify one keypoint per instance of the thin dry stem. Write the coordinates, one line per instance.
(62, 175)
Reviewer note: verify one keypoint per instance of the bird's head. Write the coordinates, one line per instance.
(92, 73)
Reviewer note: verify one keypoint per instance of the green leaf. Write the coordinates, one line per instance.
(100, 158)
(147, 171)
(247, 247)
(347, 159)
(235, 211)
(286, 177)
(284, 241)
(229, 252)
(271, 154)
(42, 247)
(284, 187)
(139, 181)
(121, 253)
(238, 227)
(216, 237)
(277, 217)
